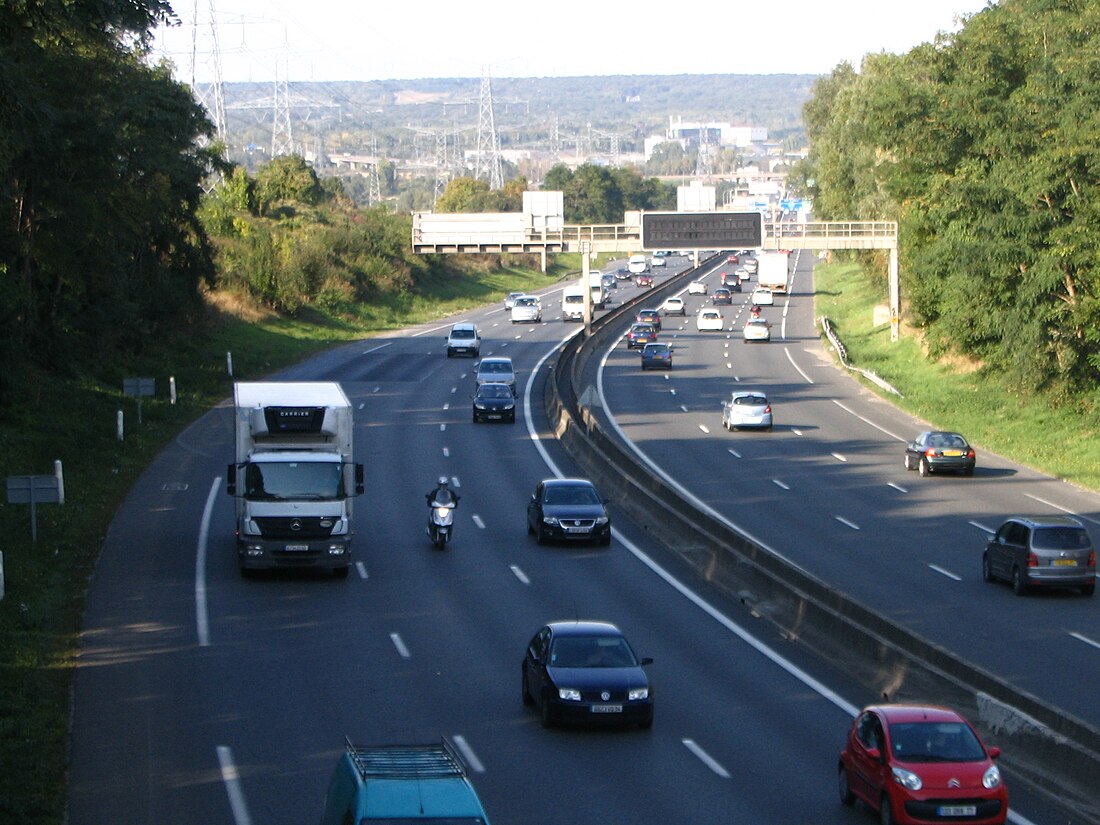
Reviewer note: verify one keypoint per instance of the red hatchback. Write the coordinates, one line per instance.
(920, 763)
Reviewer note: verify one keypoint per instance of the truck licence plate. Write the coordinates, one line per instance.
(297, 548)
(957, 810)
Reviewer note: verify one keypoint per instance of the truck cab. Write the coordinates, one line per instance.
(406, 783)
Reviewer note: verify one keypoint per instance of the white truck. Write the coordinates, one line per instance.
(637, 264)
(772, 270)
(599, 291)
(294, 479)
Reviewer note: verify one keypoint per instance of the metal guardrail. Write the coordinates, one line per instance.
(1052, 751)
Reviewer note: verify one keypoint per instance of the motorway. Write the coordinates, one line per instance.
(203, 697)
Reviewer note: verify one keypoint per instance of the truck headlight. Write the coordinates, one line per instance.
(251, 528)
(340, 528)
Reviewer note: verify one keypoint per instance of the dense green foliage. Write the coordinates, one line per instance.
(983, 145)
(599, 195)
(100, 169)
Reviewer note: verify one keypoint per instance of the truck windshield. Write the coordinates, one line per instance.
(318, 481)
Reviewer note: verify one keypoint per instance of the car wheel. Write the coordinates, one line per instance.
(340, 572)
(527, 700)
(512, 418)
(1088, 589)
(647, 723)
(540, 535)
(476, 419)
(547, 714)
(605, 541)
(846, 796)
(923, 468)
(885, 811)
(987, 568)
(969, 471)
(450, 354)
(908, 464)
(530, 529)
(1019, 581)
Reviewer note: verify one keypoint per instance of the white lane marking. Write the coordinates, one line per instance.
(839, 457)
(468, 753)
(847, 523)
(362, 404)
(399, 644)
(375, 349)
(729, 366)
(673, 390)
(797, 368)
(232, 781)
(897, 487)
(202, 620)
(442, 428)
(1081, 638)
(447, 406)
(446, 452)
(944, 572)
(705, 758)
(376, 389)
(733, 452)
(780, 484)
(1063, 509)
(705, 428)
(519, 574)
(478, 521)
(982, 527)
(682, 407)
(668, 377)
(454, 390)
(796, 431)
(362, 568)
(455, 481)
(866, 420)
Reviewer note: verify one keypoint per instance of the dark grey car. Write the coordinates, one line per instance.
(568, 509)
(1055, 551)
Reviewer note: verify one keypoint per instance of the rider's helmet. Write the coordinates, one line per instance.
(443, 481)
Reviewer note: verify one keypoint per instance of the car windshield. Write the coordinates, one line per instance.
(494, 391)
(462, 333)
(591, 651)
(934, 742)
(526, 302)
(1060, 538)
(495, 366)
(570, 495)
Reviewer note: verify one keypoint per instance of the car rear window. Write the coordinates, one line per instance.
(1060, 538)
(750, 401)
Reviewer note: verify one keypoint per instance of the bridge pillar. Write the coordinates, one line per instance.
(895, 296)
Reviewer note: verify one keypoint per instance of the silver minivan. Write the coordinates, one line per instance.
(496, 371)
(1053, 551)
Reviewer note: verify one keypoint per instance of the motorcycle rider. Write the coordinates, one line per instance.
(442, 493)
(755, 311)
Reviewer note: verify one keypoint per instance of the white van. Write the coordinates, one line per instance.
(572, 303)
(637, 264)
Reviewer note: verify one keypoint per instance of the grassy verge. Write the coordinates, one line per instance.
(1055, 436)
(74, 420)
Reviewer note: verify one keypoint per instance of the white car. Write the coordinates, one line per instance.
(757, 329)
(697, 288)
(674, 306)
(510, 299)
(747, 409)
(763, 297)
(656, 260)
(527, 309)
(709, 319)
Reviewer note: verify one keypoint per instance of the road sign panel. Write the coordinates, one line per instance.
(702, 230)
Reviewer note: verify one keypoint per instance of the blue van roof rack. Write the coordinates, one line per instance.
(413, 761)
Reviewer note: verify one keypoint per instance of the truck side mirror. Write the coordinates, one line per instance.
(231, 479)
(359, 480)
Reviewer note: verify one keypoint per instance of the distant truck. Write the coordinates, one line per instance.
(572, 303)
(402, 783)
(637, 264)
(293, 478)
(599, 291)
(772, 270)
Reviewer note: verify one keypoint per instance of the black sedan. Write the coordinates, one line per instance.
(936, 452)
(584, 671)
(640, 334)
(494, 402)
(721, 296)
(569, 509)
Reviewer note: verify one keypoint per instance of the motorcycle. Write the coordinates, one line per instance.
(441, 522)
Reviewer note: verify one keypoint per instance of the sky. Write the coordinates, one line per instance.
(333, 40)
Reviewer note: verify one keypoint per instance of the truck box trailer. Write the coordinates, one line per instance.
(293, 477)
(772, 270)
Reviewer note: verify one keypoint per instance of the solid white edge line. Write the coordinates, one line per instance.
(897, 487)
(468, 753)
(705, 758)
(202, 620)
(798, 369)
(232, 780)
(866, 420)
(944, 572)
(375, 349)
(1063, 509)
(1082, 638)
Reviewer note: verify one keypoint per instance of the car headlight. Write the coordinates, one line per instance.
(569, 694)
(552, 520)
(635, 694)
(602, 520)
(478, 405)
(907, 779)
(992, 777)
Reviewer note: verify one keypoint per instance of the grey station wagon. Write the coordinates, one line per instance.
(1055, 551)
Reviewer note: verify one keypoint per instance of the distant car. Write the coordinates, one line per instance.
(585, 671)
(747, 410)
(657, 355)
(643, 280)
(609, 281)
(721, 296)
(921, 763)
(733, 259)
(640, 335)
(751, 265)
(527, 309)
(697, 288)
(1053, 551)
(709, 320)
(936, 452)
(510, 299)
(674, 306)
(660, 253)
(656, 260)
(731, 280)
(649, 316)
(568, 509)
(464, 339)
(494, 402)
(496, 370)
(757, 329)
(623, 274)
(763, 297)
